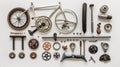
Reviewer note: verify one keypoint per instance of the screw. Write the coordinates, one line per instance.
(91, 7)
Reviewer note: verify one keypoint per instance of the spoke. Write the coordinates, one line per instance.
(71, 22)
(22, 19)
(71, 25)
(66, 30)
(60, 20)
(14, 18)
(18, 23)
(60, 23)
(21, 23)
(15, 22)
(18, 13)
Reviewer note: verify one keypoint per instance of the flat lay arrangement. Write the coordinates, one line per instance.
(63, 39)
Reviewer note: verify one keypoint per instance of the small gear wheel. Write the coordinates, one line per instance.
(46, 56)
(56, 55)
(47, 46)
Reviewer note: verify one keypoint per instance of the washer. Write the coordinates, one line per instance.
(46, 56)
(21, 55)
(12, 55)
(108, 27)
(33, 55)
(56, 46)
(104, 9)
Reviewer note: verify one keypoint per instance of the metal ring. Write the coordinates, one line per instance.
(12, 55)
(56, 46)
(21, 55)
(33, 55)
(104, 9)
(108, 27)
(46, 45)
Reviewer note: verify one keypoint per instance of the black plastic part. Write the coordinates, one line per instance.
(93, 49)
(105, 58)
(84, 17)
(32, 32)
(55, 36)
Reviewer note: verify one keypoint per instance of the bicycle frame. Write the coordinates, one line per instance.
(53, 7)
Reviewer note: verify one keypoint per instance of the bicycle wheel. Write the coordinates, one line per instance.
(18, 19)
(68, 23)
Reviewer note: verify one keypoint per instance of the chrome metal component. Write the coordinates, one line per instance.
(108, 27)
(105, 46)
(104, 9)
(56, 46)
(43, 24)
(92, 25)
(46, 56)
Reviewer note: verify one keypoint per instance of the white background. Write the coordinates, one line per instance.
(76, 5)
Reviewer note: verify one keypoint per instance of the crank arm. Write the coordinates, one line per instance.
(32, 32)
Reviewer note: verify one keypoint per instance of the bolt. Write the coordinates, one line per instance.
(91, 7)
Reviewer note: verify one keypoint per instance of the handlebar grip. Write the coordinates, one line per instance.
(84, 17)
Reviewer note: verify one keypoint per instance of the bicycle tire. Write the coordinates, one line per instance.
(10, 22)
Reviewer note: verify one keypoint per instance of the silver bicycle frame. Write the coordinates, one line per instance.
(53, 7)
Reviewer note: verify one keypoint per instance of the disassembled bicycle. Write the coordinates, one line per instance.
(66, 22)
(19, 19)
